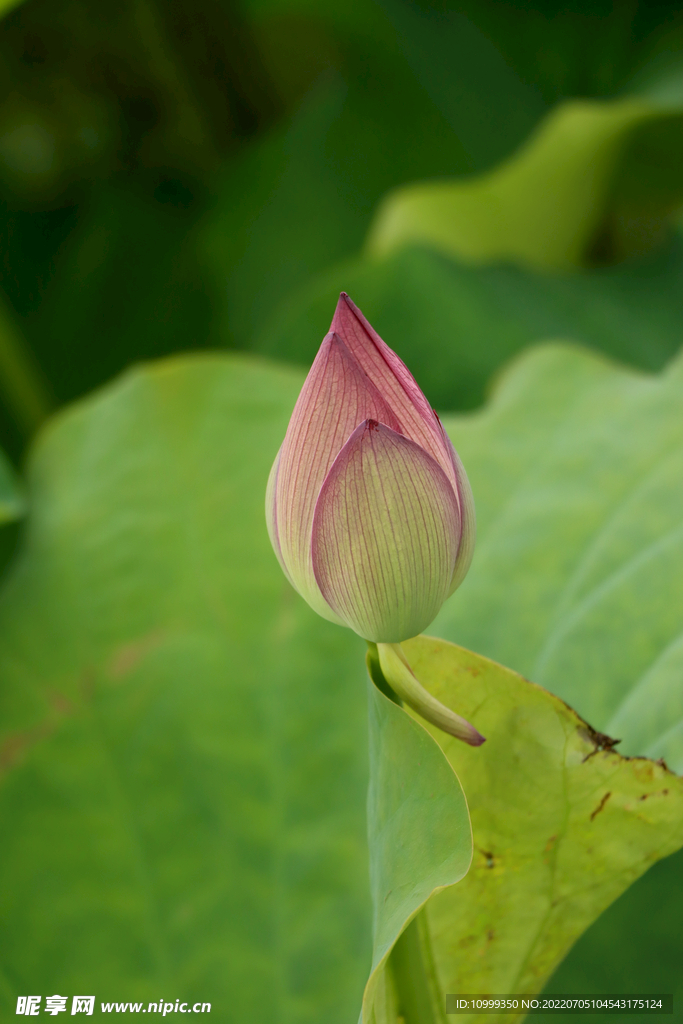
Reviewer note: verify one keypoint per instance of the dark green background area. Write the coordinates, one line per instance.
(178, 178)
(182, 179)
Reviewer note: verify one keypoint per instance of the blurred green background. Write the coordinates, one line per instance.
(207, 176)
(174, 179)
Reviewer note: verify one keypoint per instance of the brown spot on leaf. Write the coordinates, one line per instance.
(16, 744)
(549, 845)
(489, 858)
(600, 805)
(600, 740)
(61, 704)
(127, 657)
(662, 792)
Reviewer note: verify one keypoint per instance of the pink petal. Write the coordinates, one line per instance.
(335, 398)
(386, 533)
(417, 420)
(271, 513)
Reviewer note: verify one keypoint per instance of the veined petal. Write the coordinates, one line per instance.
(271, 513)
(336, 396)
(386, 533)
(271, 507)
(416, 418)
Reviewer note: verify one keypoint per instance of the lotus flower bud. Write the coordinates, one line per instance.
(369, 509)
(368, 506)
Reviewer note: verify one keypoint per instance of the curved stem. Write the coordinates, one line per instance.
(376, 674)
(399, 675)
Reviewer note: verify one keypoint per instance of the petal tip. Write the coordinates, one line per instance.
(345, 306)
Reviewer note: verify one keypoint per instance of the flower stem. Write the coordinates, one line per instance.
(399, 675)
(377, 676)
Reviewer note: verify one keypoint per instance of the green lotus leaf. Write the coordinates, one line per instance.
(562, 824)
(184, 787)
(418, 829)
(577, 467)
(184, 776)
(8, 5)
(597, 180)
